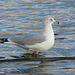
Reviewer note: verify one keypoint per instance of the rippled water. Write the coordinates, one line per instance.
(23, 16)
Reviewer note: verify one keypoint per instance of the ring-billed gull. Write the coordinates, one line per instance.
(37, 42)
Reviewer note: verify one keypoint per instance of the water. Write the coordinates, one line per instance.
(24, 16)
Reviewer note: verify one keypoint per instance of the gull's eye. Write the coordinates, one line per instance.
(51, 19)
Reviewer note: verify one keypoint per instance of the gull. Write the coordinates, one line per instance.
(37, 42)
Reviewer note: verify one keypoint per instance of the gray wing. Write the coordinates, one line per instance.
(29, 40)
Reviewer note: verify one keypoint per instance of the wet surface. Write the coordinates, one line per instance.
(25, 16)
(38, 65)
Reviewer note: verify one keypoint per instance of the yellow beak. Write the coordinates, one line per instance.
(56, 22)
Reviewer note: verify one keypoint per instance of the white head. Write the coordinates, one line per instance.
(49, 20)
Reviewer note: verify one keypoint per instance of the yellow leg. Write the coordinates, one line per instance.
(30, 51)
(36, 52)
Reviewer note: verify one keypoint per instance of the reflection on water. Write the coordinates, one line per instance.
(23, 16)
(41, 64)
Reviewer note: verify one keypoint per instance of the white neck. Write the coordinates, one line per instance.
(48, 29)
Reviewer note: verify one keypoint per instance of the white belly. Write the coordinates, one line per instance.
(41, 46)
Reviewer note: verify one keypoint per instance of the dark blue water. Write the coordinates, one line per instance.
(24, 16)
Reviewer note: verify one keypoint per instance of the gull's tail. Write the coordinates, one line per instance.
(3, 40)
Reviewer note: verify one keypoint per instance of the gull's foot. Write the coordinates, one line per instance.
(33, 51)
(30, 51)
(36, 52)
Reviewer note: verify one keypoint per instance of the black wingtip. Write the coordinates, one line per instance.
(2, 40)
